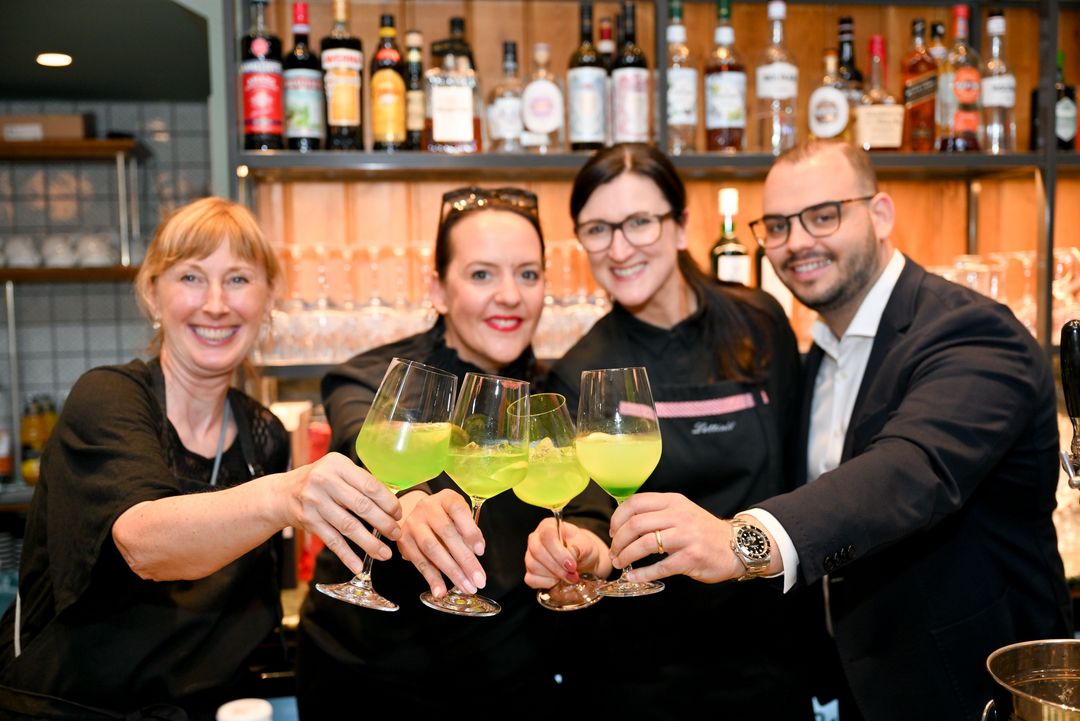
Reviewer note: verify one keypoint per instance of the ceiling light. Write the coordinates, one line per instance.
(54, 60)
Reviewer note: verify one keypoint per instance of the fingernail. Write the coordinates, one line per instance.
(469, 588)
(478, 549)
(439, 592)
(572, 577)
(395, 534)
(479, 579)
(385, 553)
(570, 566)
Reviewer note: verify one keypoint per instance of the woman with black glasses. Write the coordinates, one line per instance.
(489, 292)
(723, 366)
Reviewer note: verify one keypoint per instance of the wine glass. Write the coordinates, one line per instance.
(618, 443)
(489, 454)
(403, 442)
(553, 479)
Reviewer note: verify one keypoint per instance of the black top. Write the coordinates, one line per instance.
(725, 645)
(92, 631)
(416, 641)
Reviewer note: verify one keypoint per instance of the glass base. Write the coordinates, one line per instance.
(571, 596)
(623, 588)
(358, 592)
(461, 604)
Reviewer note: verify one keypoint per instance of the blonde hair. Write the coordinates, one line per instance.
(195, 231)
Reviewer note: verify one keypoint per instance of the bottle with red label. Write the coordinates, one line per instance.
(959, 89)
(261, 84)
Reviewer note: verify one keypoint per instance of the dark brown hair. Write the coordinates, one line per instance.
(857, 158)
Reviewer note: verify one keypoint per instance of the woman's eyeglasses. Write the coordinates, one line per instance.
(640, 230)
(464, 200)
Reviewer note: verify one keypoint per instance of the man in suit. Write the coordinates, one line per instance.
(928, 463)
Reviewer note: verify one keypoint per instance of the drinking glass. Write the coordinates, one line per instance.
(489, 454)
(618, 443)
(403, 442)
(553, 479)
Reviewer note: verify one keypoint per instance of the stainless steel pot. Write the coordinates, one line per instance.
(1042, 679)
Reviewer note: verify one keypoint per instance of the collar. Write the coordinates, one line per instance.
(868, 317)
(690, 325)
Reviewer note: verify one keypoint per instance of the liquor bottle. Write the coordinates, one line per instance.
(415, 99)
(682, 87)
(725, 88)
(879, 119)
(937, 48)
(998, 92)
(605, 46)
(777, 81)
(730, 260)
(260, 73)
(452, 122)
(343, 70)
(456, 44)
(1064, 112)
(768, 281)
(630, 85)
(303, 82)
(959, 84)
(586, 81)
(830, 110)
(388, 90)
(850, 75)
(542, 106)
(919, 73)
(504, 106)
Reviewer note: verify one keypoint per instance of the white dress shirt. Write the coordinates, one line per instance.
(835, 389)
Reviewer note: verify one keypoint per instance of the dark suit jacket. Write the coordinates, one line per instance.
(936, 528)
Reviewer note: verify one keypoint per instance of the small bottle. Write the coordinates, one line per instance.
(261, 83)
(343, 71)
(303, 82)
(879, 119)
(630, 85)
(998, 92)
(919, 73)
(682, 87)
(851, 77)
(388, 90)
(777, 81)
(959, 83)
(586, 81)
(830, 110)
(730, 260)
(415, 99)
(542, 106)
(452, 124)
(725, 88)
(938, 49)
(504, 106)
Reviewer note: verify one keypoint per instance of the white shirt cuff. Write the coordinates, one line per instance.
(787, 550)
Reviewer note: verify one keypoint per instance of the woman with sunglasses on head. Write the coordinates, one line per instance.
(489, 292)
(723, 366)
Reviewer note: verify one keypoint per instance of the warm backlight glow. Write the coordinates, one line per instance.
(54, 60)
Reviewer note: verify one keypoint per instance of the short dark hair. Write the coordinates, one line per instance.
(857, 158)
(449, 218)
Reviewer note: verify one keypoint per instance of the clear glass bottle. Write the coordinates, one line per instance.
(630, 85)
(830, 112)
(504, 106)
(725, 88)
(777, 82)
(998, 92)
(937, 48)
(587, 88)
(452, 124)
(343, 78)
(730, 260)
(542, 109)
(919, 76)
(682, 87)
(959, 83)
(303, 81)
(879, 119)
(415, 100)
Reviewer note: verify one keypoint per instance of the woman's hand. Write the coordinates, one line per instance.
(695, 542)
(440, 537)
(330, 496)
(547, 561)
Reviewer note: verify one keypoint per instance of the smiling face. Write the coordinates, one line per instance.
(492, 291)
(831, 275)
(644, 280)
(210, 310)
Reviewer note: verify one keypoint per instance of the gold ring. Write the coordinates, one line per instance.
(659, 542)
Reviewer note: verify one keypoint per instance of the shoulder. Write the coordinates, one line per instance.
(102, 389)
(601, 343)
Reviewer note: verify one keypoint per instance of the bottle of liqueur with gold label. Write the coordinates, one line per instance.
(388, 91)
(830, 110)
(343, 70)
(919, 73)
(261, 83)
(452, 124)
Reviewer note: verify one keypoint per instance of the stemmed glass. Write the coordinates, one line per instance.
(403, 442)
(554, 478)
(618, 443)
(489, 454)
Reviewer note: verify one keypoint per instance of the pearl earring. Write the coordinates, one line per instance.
(156, 325)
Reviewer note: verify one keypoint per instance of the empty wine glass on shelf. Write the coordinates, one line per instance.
(554, 478)
(489, 454)
(618, 443)
(403, 442)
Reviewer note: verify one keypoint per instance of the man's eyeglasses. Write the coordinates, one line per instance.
(463, 200)
(821, 220)
(640, 229)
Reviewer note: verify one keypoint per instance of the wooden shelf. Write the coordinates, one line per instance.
(69, 275)
(66, 149)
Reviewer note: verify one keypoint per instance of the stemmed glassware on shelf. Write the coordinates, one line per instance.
(554, 478)
(404, 441)
(488, 454)
(618, 443)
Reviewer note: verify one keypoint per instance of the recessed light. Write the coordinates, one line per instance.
(54, 60)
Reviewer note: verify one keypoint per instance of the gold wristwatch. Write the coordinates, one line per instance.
(752, 548)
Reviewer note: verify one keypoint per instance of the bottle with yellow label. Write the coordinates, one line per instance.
(388, 91)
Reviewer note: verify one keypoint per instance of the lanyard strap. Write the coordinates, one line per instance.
(221, 442)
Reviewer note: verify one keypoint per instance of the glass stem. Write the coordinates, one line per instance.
(558, 525)
(365, 575)
(628, 567)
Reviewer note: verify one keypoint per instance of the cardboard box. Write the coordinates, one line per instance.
(18, 128)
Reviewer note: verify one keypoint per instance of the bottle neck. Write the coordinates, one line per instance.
(300, 37)
(847, 52)
(727, 226)
(960, 33)
(777, 32)
(586, 26)
(258, 23)
(510, 69)
(997, 47)
(629, 26)
(877, 72)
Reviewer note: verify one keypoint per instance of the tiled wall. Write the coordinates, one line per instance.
(63, 330)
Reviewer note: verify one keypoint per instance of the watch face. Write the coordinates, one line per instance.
(753, 542)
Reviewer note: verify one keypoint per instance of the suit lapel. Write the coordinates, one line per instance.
(810, 371)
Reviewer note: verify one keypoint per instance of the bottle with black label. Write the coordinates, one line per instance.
(343, 69)
(1064, 112)
(730, 260)
(388, 90)
(303, 88)
(415, 101)
(261, 83)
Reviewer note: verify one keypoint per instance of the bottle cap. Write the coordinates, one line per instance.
(729, 201)
(724, 35)
(246, 709)
(457, 26)
(675, 34)
(918, 26)
(961, 11)
(414, 39)
(995, 24)
(386, 21)
(938, 30)
(877, 46)
(300, 14)
(541, 53)
(777, 10)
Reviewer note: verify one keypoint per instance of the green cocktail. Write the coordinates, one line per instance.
(619, 463)
(486, 472)
(401, 454)
(554, 477)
